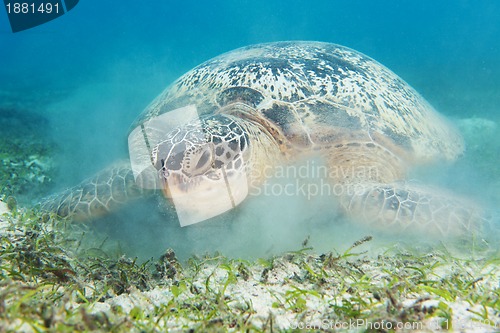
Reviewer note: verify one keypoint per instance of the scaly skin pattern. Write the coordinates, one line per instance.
(96, 196)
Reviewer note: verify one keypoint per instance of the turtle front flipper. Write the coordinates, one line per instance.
(96, 196)
(409, 208)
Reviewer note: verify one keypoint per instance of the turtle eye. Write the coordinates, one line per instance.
(198, 161)
(204, 160)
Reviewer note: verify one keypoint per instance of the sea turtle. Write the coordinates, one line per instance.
(267, 105)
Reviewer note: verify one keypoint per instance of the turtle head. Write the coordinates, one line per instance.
(200, 160)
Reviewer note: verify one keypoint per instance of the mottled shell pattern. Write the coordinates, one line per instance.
(316, 93)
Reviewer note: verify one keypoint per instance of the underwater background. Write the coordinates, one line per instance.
(77, 83)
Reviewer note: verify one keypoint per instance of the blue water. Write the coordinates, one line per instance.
(93, 70)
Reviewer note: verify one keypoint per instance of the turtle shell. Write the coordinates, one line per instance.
(316, 94)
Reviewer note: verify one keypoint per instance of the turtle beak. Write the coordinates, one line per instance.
(169, 179)
(166, 191)
(201, 197)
